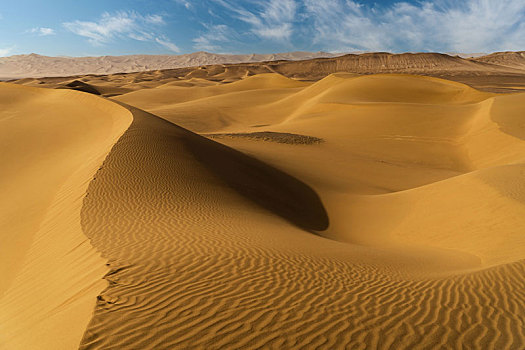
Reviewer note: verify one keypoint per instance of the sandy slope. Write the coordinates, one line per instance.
(52, 143)
(401, 226)
(223, 105)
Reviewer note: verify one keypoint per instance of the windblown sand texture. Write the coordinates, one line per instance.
(357, 211)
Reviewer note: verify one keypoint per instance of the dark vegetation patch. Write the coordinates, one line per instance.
(280, 137)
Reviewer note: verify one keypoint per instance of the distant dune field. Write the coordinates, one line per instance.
(33, 65)
(256, 206)
(110, 76)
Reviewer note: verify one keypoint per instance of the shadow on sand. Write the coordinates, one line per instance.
(263, 184)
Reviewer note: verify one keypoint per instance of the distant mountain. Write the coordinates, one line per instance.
(467, 55)
(507, 59)
(303, 65)
(383, 62)
(33, 65)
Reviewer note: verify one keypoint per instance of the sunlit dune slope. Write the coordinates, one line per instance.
(52, 143)
(177, 91)
(224, 105)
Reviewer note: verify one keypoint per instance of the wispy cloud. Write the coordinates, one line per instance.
(107, 28)
(167, 44)
(42, 31)
(272, 20)
(331, 25)
(122, 24)
(154, 19)
(214, 37)
(442, 25)
(353, 25)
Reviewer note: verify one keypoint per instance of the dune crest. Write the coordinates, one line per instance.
(53, 142)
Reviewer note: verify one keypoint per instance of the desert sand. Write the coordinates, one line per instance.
(254, 206)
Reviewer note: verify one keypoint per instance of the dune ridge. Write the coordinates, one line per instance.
(53, 143)
(270, 288)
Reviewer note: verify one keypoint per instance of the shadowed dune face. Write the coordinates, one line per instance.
(81, 86)
(269, 187)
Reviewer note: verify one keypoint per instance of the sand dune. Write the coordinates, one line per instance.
(400, 226)
(228, 260)
(52, 143)
(224, 105)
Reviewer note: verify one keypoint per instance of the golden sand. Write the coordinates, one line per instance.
(401, 226)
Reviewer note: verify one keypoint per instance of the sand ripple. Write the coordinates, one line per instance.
(195, 265)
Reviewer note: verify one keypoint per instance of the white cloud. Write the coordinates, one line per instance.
(154, 19)
(333, 25)
(107, 28)
(122, 25)
(141, 36)
(271, 20)
(274, 19)
(167, 44)
(42, 31)
(441, 25)
(213, 38)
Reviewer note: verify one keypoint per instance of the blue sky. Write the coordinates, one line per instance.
(116, 27)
